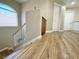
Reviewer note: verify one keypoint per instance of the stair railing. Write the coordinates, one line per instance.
(18, 36)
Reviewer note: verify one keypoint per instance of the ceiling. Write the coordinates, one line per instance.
(67, 2)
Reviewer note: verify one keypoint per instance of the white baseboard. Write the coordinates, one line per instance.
(49, 31)
(32, 41)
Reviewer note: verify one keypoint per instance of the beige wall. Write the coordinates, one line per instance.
(76, 18)
(33, 28)
(45, 7)
(46, 10)
(62, 15)
(76, 13)
(6, 38)
(31, 15)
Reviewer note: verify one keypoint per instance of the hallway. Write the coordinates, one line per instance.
(57, 45)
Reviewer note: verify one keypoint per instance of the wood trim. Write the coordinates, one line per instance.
(44, 18)
(43, 29)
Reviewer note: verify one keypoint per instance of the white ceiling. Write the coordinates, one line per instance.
(69, 3)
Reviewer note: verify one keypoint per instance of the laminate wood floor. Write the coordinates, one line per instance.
(56, 45)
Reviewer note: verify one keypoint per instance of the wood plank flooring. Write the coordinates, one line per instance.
(56, 45)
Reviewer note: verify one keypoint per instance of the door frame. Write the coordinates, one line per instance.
(56, 4)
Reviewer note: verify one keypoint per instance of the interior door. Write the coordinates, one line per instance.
(68, 20)
(56, 25)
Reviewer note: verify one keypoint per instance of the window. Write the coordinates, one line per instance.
(8, 16)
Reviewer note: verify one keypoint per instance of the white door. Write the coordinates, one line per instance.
(68, 20)
(56, 25)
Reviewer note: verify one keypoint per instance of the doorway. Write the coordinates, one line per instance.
(68, 20)
(56, 18)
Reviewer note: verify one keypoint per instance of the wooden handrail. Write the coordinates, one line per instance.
(19, 28)
(44, 18)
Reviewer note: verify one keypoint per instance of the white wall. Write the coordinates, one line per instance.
(76, 13)
(33, 28)
(44, 6)
(33, 24)
(6, 38)
(76, 18)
